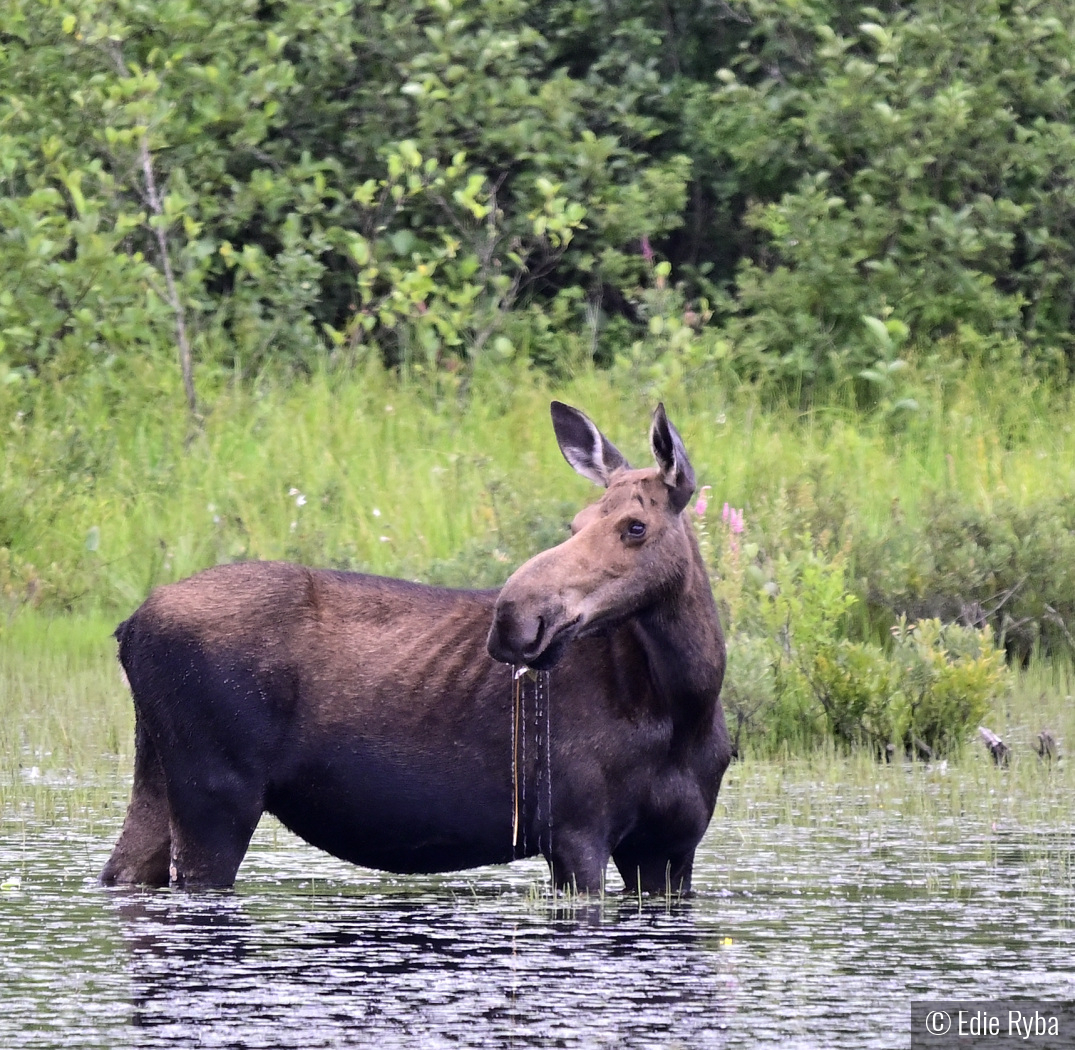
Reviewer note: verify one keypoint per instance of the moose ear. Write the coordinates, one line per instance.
(584, 446)
(676, 470)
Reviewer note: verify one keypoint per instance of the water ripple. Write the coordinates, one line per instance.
(795, 937)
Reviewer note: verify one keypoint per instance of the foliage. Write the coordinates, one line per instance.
(104, 495)
(1009, 566)
(894, 159)
(313, 174)
(799, 195)
(797, 679)
(949, 674)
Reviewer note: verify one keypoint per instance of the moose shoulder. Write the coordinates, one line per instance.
(387, 722)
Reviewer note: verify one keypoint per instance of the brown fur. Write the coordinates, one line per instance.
(370, 717)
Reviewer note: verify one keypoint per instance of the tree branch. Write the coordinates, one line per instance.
(186, 358)
(152, 198)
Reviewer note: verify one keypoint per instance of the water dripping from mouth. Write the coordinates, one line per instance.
(523, 766)
(538, 710)
(516, 687)
(545, 679)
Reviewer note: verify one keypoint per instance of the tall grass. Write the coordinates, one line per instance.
(66, 723)
(101, 499)
(66, 710)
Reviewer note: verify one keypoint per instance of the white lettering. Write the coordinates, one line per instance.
(1015, 1024)
(1029, 1025)
(978, 1022)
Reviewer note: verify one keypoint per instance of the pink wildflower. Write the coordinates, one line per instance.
(733, 521)
(703, 501)
(647, 251)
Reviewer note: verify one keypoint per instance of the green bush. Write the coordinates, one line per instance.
(948, 676)
(685, 189)
(838, 689)
(897, 159)
(1010, 567)
(801, 681)
(396, 178)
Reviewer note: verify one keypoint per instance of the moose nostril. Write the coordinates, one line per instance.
(539, 635)
(516, 634)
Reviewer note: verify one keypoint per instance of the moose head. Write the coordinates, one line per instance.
(629, 552)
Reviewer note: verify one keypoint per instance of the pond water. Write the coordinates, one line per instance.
(803, 933)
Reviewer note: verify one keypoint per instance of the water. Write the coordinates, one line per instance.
(805, 932)
(531, 720)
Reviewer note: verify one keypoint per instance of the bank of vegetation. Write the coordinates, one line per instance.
(284, 279)
(828, 534)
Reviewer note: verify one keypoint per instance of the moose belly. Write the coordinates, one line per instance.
(396, 809)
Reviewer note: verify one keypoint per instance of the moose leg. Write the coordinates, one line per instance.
(577, 863)
(142, 851)
(214, 815)
(655, 873)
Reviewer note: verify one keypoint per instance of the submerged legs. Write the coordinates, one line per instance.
(656, 874)
(143, 851)
(193, 837)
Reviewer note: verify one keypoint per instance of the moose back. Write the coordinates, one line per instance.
(575, 713)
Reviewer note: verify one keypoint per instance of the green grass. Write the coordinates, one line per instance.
(102, 497)
(66, 723)
(967, 806)
(66, 711)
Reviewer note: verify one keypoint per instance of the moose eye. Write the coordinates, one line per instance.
(635, 530)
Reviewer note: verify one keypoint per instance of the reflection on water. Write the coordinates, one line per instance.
(332, 971)
(803, 934)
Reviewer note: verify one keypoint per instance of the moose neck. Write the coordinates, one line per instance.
(684, 644)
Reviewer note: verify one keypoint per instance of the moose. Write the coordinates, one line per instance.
(387, 722)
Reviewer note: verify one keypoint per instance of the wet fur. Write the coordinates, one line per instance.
(368, 716)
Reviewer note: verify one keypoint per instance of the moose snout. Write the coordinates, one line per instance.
(535, 636)
(516, 635)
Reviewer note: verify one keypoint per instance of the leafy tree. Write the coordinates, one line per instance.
(254, 182)
(278, 172)
(904, 160)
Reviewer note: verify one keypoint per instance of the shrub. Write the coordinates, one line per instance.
(948, 676)
(395, 178)
(900, 158)
(1010, 567)
(802, 681)
(273, 180)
